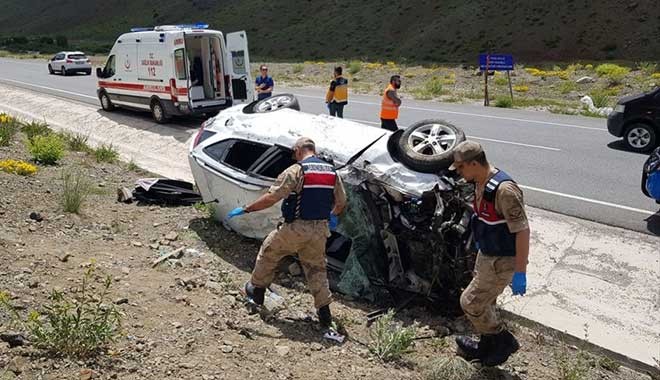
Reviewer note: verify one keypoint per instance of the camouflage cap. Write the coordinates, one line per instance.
(304, 142)
(466, 151)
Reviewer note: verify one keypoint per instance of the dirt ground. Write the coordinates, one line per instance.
(185, 319)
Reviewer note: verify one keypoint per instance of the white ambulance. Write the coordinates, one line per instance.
(176, 70)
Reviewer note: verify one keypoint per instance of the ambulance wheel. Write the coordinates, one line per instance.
(106, 103)
(50, 70)
(63, 71)
(274, 103)
(158, 112)
(428, 145)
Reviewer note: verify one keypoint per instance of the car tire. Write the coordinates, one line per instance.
(106, 103)
(50, 70)
(640, 137)
(427, 146)
(158, 112)
(273, 103)
(63, 71)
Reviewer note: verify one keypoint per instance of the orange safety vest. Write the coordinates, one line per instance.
(388, 110)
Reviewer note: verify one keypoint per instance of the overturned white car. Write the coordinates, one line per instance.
(406, 227)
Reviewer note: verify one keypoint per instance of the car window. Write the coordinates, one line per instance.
(238, 154)
(276, 164)
(59, 57)
(180, 64)
(110, 66)
(77, 56)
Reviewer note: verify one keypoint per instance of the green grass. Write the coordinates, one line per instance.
(572, 365)
(8, 129)
(75, 142)
(354, 67)
(298, 68)
(78, 324)
(600, 98)
(503, 102)
(33, 129)
(449, 368)
(567, 86)
(389, 340)
(75, 190)
(106, 153)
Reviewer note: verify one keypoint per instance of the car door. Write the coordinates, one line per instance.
(237, 47)
(58, 61)
(655, 110)
(227, 172)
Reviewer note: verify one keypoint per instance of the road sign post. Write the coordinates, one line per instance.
(495, 62)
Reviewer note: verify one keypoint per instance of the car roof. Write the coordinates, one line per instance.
(73, 52)
(338, 137)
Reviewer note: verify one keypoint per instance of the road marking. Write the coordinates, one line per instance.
(588, 200)
(485, 139)
(50, 88)
(472, 114)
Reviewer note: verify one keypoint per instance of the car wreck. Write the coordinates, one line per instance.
(406, 227)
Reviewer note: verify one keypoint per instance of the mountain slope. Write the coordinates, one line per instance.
(418, 30)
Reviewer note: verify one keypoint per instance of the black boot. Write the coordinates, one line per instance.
(325, 317)
(503, 345)
(255, 294)
(473, 349)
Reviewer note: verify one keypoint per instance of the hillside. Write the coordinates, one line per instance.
(419, 30)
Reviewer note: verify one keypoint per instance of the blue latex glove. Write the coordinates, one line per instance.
(519, 283)
(333, 222)
(235, 212)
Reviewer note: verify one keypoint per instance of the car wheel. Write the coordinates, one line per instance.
(274, 103)
(50, 70)
(158, 112)
(427, 146)
(640, 137)
(106, 103)
(63, 71)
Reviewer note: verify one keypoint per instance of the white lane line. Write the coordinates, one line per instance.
(472, 114)
(516, 143)
(588, 200)
(49, 88)
(485, 139)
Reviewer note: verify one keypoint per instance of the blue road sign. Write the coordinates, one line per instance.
(496, 62)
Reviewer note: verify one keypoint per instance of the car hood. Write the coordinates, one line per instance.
(336, 138)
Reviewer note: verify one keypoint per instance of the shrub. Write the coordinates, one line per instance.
(501, 81)
(613, 73)
(75, 142)
(521, 88)
(8, 129)
(106, 153)
(433, 87)
(390, 340)
(77, 325)
(503, 102)
(600, 98)
(33, 129)
(298, 68)
(572, 366)
(17, 167)
(75, 190)
(567, 86)
(46, 149)
(354, 67)
(450, 368)
(374, 65)
(647, 68)
(655, 75)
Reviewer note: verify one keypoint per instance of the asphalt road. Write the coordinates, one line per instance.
(566, 164)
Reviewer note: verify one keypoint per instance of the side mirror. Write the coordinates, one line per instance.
(99, 72)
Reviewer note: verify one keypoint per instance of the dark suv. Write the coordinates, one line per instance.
(636, 118)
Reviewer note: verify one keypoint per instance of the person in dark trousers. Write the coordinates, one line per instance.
(389, 107)
(337, 95)
(501, 231)
(264, 84)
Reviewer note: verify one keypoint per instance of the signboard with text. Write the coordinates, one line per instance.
(495, 62)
